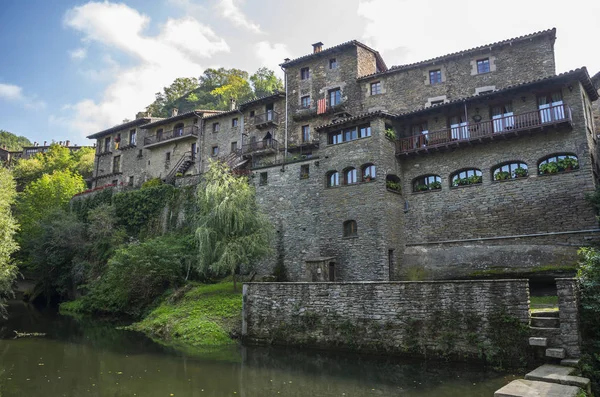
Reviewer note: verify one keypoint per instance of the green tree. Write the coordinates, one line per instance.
(8, 228)
(265, 82)
(231, 230)
(165, 100)
(12, 141)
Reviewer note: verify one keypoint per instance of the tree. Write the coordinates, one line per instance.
(236, 88)
(8, 228)
(231, 230)
(165, 100)
(13, 142)
(265, 82)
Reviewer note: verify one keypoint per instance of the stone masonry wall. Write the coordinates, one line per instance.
(568, 304)
(454, 318)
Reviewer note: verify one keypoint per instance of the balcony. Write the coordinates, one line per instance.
(499, 127)
(264, 147)
(265, 120)
(170, 136)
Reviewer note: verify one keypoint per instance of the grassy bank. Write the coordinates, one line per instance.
(199, 315)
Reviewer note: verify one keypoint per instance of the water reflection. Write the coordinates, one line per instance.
(90, 358)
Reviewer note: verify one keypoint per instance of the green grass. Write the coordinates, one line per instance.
(206, 315)
(544, 300)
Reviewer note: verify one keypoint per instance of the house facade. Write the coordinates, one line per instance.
(473, 162)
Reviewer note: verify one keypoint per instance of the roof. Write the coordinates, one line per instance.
(596, 80)
(129, 124)
(580, 74)
(399, 68)
(330, 50)
(264, 98)
(180, 116)
(350, 120)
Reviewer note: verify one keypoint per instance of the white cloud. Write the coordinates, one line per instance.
(272, 54)
(176, 51)
(229, 10)
(78, 54)
(14, 93)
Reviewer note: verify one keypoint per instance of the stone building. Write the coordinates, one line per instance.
(477, 161)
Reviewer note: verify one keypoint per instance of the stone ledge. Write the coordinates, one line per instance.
(532, 388)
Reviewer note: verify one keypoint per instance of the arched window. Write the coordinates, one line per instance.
(369, 173)
(350, 176)
(426, 183)
(558, 163)
(392, 182)
(350, 229)
(178, 130)
(333, 179)
(471, 176)
(510, 170)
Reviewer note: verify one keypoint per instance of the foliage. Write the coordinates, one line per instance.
(471, 180)
(390, 134)
(236, 87)
(508, 340)
(83, 205)
(520, 172)
(393, 185)
(207, 315)
(8, 228)
(501, 175)
(549, 168)
(13, 142)
(152, 183)
(265, 82)
(138, 273)
(45, 195)
(231, 230)
(589, 284)
(84, 161)
(162, 105)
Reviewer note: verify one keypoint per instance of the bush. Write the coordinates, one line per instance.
(152, 183)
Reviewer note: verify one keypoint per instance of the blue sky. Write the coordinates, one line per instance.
(71, 68)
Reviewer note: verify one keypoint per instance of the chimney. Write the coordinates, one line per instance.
(175, 112)
(45, 142)
(317, 47)
(67, 143)
(286, 60)
(232, 104)
(34, 143)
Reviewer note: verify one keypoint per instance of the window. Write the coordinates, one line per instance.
(466, 177)
(214, 151)
(558, 163)
(350, 176)
(305, 73)
(364, 131)
(551, 107)
(233, 146)
(159, 135)
(263, 179)
(483, 65)
(117, 141)
(426, 183)
(392, 183)
(178, 130)
(333, 63)
(350, 229)
(502, 117)
(458, 127)
(305, 101)
(350, 134)
(140, 154)
(252, 113)
(216, 127)
(305, 133)
(304, 171)
(376, 88)
(420, 134)
(369, 173)
(333, 179)
(130, 182)
(132, 137)
(116, 164)
(335, 97)
(435, 76)
(107, 144)
(168, 156)
(510, 170)
(234, 122)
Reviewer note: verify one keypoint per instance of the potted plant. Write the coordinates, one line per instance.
(567, 164)
(549, 168)
(501, 175)
(422, 188)
(474, 179)
(390, 134)
(520, 172)
(435, 185)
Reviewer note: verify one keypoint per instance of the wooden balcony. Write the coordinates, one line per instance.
(265, 120)
(497, 128)
(264, 147)
(170, 136)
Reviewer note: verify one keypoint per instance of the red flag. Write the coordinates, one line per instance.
(321, 106)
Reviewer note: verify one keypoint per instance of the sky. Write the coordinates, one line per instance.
(71, 68)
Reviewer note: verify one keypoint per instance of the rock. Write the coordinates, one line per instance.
(531, 388)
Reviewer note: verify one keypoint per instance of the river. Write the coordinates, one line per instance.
(79, 357)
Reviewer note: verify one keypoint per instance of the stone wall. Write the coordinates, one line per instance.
(568, 305)
(486, 319)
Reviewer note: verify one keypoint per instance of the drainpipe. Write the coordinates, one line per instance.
(241, 130)
(95, 184)
(285, 150)
(200, 159)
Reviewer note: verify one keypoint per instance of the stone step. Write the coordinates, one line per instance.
(558, 374)
(549, 313)
(545, 322)
(556, 352)
(570, 362)
(534, 341)
(532, 388)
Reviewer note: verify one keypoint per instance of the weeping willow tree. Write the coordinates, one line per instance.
(231, 230)
(8, 228)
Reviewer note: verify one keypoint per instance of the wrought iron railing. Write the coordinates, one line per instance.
(270, 116)
(504, 124)
(168, 135)
(264, 145)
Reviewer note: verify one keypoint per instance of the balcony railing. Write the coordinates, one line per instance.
(169, 135)
(271, 117)
(266, 145)
(506, 124)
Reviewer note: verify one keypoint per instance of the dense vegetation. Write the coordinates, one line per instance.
(13, 142)
(213, 90)
(8, 228)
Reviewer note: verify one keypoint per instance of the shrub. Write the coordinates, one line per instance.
(152, 183)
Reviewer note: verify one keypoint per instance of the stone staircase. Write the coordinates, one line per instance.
(545, 328)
